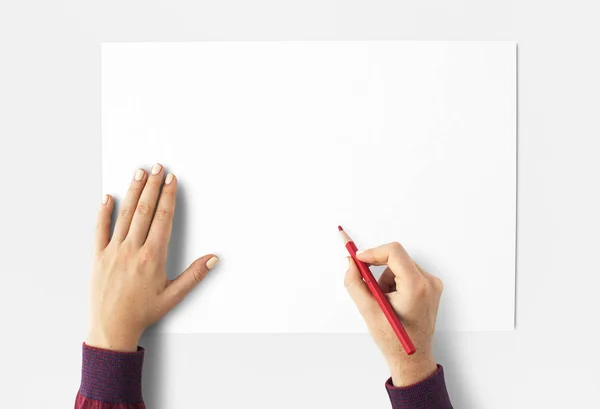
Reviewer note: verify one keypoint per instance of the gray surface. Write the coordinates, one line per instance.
(50, 130)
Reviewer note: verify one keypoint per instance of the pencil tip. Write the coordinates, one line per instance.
(340, 228)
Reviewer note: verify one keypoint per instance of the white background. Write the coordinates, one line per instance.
(274, 144)
(50, 152)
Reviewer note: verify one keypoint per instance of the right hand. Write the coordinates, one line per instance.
(414, 295)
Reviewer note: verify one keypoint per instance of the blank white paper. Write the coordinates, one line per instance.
(275, 144)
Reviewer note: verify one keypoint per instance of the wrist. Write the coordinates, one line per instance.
(113, 342)
(412, 371)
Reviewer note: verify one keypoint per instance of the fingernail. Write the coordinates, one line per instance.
(211, 263)
(156, 169)
(105, 199)
(139, 175)
(169, 179)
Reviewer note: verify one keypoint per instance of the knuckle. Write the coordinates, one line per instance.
(143, 208)
(198, 275)
(395, 246)
(163, 214)
(146, 256)
(126, 212)
(167, 191)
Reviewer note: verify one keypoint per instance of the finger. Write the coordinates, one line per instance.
(102, 236)
(190, 278)
(129, 204)
(358, 290)
(160, 229)
(395, 257)
(144, 211)
(387, 281)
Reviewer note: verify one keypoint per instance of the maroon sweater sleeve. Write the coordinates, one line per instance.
(113, 380)
(430, 393)
(110, 380)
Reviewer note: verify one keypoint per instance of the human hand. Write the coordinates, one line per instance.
(414, 295)
(129, 289)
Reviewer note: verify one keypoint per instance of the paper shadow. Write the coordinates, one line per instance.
(153, 381)
(153, 376)
(456, 382)
(177, 244)
(443, 346)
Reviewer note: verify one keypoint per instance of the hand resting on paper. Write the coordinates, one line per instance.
(129, 288)
(414, 295)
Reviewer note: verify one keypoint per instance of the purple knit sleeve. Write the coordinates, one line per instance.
(110, 379)
(430, 393)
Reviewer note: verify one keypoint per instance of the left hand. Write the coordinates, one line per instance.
(129, 287)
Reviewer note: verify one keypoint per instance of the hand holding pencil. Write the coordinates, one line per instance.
(413, 294)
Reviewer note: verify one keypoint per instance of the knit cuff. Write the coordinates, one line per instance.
(112, 377)
(430, 393)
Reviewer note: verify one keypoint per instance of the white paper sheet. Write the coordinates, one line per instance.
(276, 143)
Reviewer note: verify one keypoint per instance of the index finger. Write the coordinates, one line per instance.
(395, 257)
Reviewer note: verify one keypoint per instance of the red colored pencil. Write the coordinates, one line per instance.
(381, 299)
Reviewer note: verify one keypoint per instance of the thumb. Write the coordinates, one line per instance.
(358, 290)
(190, 278)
